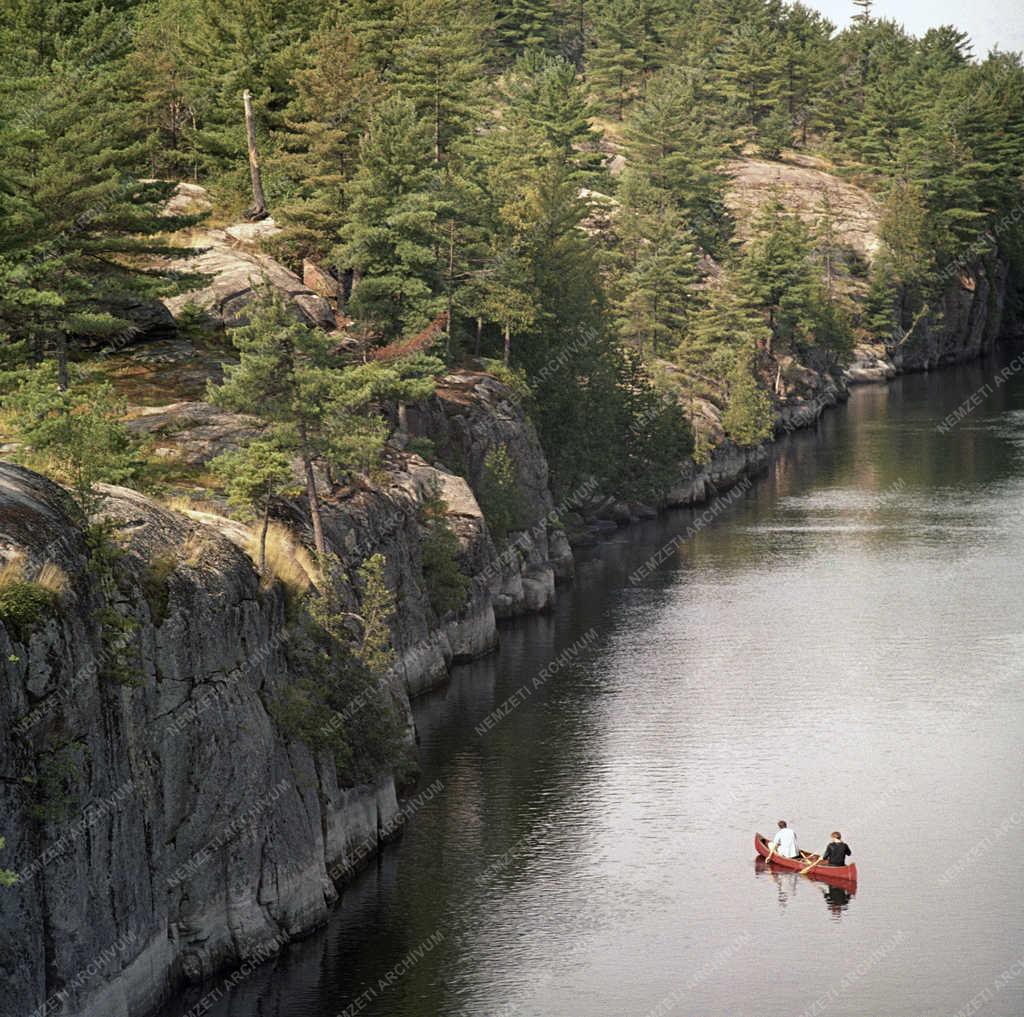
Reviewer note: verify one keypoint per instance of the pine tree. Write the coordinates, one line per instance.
(678, 154)
(315, 408)
(575, 24)
(775, 133)
(776, 270)
(335, 94)
(253, 476)
(863, 14)
(503, 296)
(287, 371)
(750, 73)
(888, 112)
(83, 224)
(376, 26)
(615, 62)
(657, 270)
(231, 46)
(724, 323)
(438, 67)
(902, 270)
(749, 417)
(73, 432)
(557, 282)
(656, 435)
(827, 246)
(391, 238)
(525, 24)
(549, 111)
(807, 56)
(376, 611)
(166, 111)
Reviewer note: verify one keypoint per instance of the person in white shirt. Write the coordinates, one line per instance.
(783, 843)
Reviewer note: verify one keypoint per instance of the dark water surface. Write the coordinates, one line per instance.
(842, 648)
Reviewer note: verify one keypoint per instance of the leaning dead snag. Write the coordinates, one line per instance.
(259, 202)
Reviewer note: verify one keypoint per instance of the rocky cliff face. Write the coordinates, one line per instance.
(164, 827)
(966, 323)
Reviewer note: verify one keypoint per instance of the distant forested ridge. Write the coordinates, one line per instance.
(551, 176)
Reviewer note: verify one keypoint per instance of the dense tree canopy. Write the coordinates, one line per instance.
(550, 173)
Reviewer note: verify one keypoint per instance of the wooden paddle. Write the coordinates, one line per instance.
(811, 866)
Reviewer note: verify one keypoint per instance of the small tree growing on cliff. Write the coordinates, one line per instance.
(75, 433)
(285, 373)
(253, 475)
(500, 500)
(439, 550)
(377, 610)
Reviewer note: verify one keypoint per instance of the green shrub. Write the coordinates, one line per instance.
(156, 585)
(338, 704)
(748, 419)
(512, 378)
(376, 609)
(117, 630)
(439, 555)
(500, 499)
(76, 435)
(23, 605)
(57, 772)
(423, 447)
(7, 877)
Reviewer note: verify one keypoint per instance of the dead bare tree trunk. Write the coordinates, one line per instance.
(508, 345)
(259, 202)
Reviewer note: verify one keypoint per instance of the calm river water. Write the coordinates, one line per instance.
(843, 648)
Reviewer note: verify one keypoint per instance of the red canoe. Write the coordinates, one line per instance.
(832, 873)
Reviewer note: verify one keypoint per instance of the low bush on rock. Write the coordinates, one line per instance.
(439, 549)
(25, 603)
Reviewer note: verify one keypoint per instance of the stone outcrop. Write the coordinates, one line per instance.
(192, 432)
(471, 415)
(233, 265)
(803, 182)
(181, 831)
(319, 281)
(964, 324)
(234, 270)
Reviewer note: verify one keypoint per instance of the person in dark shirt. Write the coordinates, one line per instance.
(836, 852)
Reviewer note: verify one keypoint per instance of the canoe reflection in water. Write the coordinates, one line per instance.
(787, 882)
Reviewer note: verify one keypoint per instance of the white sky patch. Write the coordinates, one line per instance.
(989, 23)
